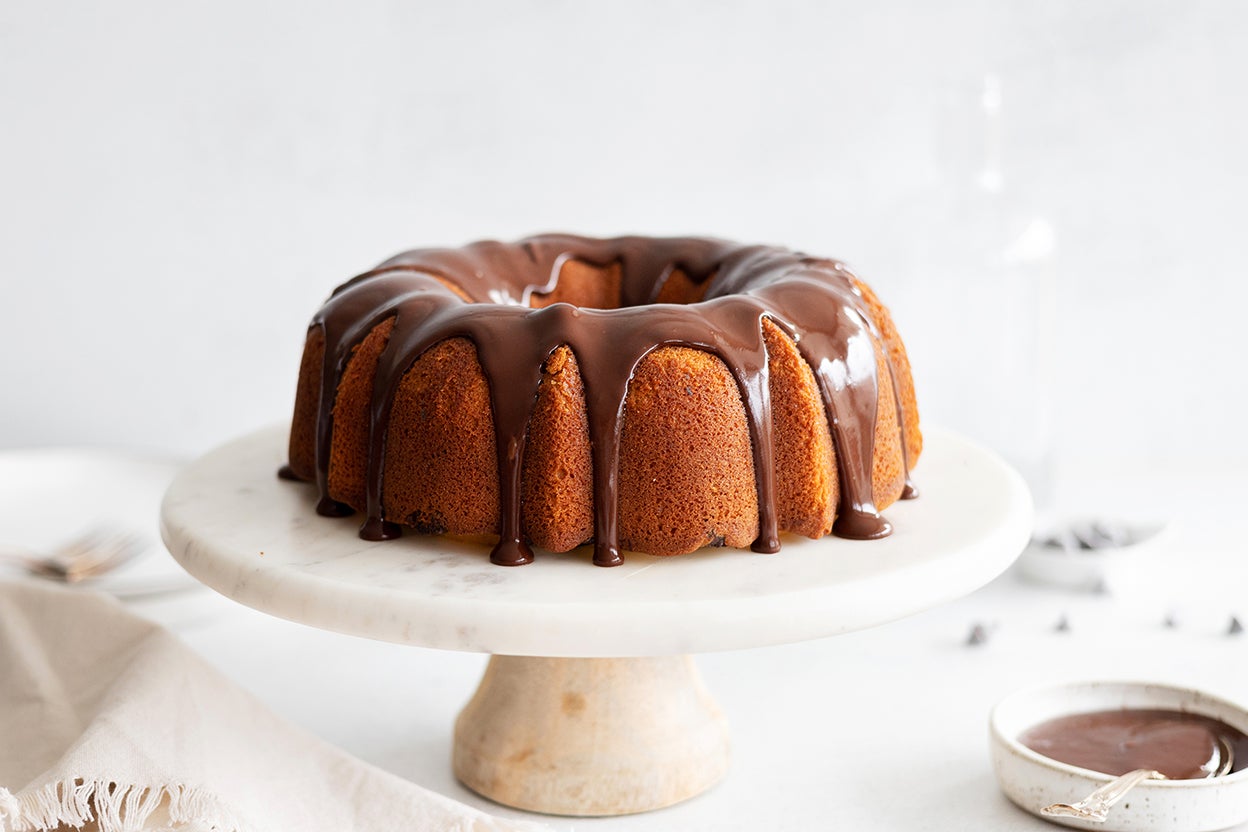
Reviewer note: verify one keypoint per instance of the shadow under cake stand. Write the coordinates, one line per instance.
(591, 703)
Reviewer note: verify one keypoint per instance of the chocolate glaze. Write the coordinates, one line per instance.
(815, 301)
(1182, 746)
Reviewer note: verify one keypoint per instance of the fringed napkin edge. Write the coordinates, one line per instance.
(113, 807)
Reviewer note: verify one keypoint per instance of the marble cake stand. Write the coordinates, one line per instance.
(591, 704)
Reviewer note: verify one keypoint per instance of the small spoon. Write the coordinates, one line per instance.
(1095, 807)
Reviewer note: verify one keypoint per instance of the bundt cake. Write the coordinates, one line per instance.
(648, 394)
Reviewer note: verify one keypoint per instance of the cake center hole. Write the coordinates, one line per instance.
(602, 287)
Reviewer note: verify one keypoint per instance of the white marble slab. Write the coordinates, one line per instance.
(234, 525)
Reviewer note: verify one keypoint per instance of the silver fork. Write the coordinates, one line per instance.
(97, 551)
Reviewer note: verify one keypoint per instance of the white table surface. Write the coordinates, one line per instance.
(881, 729)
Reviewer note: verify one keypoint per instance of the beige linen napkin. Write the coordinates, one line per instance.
(108, 719)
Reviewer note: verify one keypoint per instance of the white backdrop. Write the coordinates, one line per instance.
(182, 184)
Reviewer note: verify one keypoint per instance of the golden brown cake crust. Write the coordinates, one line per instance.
(806, 492)
(440, 448)
(686, 469)
(558, 472)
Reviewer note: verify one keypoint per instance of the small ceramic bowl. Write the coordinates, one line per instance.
(1057, 559)
(1034, 781)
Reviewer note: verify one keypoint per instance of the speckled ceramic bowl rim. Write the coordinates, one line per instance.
(1194, 698)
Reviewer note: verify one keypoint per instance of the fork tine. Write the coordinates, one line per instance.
(88, 541)
(82, 543)
(110, 551)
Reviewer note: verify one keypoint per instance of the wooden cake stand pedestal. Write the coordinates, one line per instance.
(591, 703)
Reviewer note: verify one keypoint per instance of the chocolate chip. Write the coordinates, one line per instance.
(978, 635)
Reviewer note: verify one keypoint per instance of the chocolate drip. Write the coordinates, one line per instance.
(816, 302)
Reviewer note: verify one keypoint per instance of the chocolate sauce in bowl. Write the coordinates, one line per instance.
(1181, 745)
